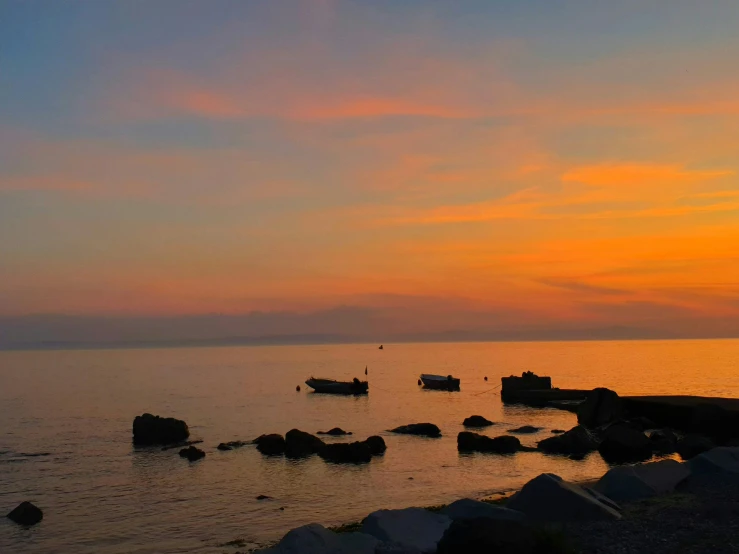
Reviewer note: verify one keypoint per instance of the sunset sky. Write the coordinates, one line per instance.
(465, 165)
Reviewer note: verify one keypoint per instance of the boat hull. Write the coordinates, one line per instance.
(440, 384)
(338, 387)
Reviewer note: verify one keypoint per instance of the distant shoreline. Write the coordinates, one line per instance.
(314, 341)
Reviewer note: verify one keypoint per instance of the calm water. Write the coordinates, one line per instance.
(99, 495)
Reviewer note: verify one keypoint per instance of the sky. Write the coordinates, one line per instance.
(370, 167)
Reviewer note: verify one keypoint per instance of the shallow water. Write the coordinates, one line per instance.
(75, 408)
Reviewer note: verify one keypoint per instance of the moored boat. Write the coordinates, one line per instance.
(331, 386)
(439, 382)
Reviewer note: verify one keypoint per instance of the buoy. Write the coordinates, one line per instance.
(419, 383)
(381, 347)
(297, 388)
(486, 377)
(365, 370)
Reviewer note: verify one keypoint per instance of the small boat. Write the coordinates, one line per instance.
(331, 386)
(439, 382)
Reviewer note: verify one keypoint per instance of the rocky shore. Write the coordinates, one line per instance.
(663, 507)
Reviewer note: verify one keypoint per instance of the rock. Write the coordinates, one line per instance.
(347, 452)
(192, 453)
(264, 497)
(231, 445)
(467, 508)
(600, 407)
(477, 421)
(717, 461)
(713, 421)
(487, 536)
(526, 429)
(643, 423)
(557, 431)
(270, 445)
(624, 444)
(26, 514)
(663, 441)
(299, 444)
(150, 429)
(550, 499)
(692, 445)
(376, 445)
(316, 539)
(411, 527)
(630, 483)
(472, 442)
(336, 432)
(423, 429)
(577, 441)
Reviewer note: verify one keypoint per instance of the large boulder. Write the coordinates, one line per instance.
(271, 444)
(487, 536)
(624, 444)
(347, 452)
(299, 444)
(192, 453)
(472, 442)
(576, 441)
(720, 461)
(150, 429)
(692, 445)
(376, 444)
(629, 483)
(422, 429)
(477, 421)
(413, 528)
(600, 407)
(548, 498)
(466, 508)
(231, 445)
(26, 514)
(316, 539)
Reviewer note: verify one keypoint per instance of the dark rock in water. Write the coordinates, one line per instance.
(526, 429)
(26, 514)
(487, 536)
(577, 440)
(264, 497)
(299, 444)
(477, 421)
(297, 389)
(150, 429)
(557, 431)
(192, 453)
(577, 457)
(420, 382)
(663, 441)
(423, 429)
(713, 421)
(376, 445)
(336, 432)
(692, 445)
(472, 442)
(624, 444)
(346, 452)
(270, 445)
(231, 445)
(601, 406)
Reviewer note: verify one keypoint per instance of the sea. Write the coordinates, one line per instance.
(66, 416)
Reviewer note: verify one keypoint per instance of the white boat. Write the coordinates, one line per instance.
(439, 382)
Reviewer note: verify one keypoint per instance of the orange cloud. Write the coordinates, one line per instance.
(628, 174)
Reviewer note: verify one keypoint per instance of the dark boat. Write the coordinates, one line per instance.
(331, 386)
(439, 382)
